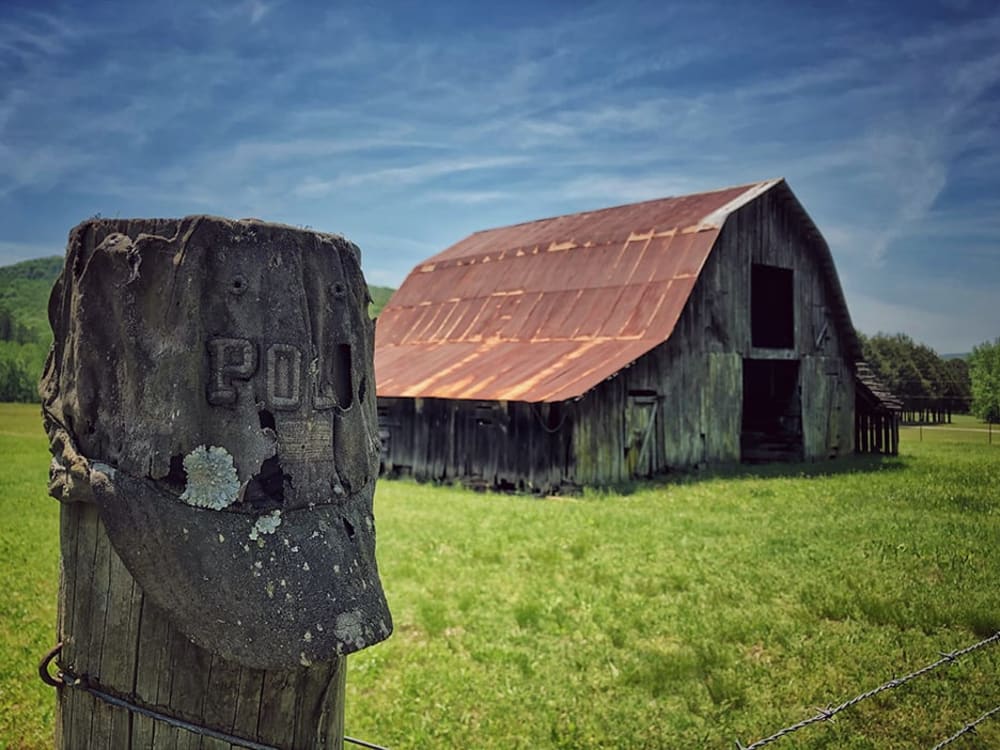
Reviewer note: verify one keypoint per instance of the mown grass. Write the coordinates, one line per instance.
(966, 420)
(684, 615)
(29, 557)
(963, 428)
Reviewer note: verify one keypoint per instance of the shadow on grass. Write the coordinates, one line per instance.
(854, 464)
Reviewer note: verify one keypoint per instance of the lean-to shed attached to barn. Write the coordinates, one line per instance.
(602, 346)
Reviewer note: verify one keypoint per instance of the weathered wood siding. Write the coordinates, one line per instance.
(693, 382)
(767, 231)
(492, 443)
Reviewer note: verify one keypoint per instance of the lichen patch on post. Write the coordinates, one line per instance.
(211, 478)
(349, 627)
(266, 524)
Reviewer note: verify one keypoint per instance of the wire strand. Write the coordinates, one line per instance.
(65, 678)
(824, 714)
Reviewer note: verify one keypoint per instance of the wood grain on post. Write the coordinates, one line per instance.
(124, 643)
(210, 406)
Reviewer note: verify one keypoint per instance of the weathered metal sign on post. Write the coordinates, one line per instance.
(210, 405)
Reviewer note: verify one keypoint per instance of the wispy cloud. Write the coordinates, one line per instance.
(466, 197)
(915, 170)
(413, 174)
(252, 11)
(599, 189)
(258, 10)
(42, 168)
(265, 152)
(383, 120)
(33, 37)
(926, 120)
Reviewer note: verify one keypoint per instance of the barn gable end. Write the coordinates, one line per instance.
(598, 347)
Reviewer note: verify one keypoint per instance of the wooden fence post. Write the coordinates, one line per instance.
(210, 406)
(121, 641)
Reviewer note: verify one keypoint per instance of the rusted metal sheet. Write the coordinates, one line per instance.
(547, 310)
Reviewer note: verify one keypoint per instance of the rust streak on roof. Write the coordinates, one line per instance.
(548, 309)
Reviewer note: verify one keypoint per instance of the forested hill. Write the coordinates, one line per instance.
(380, 296)
(24, 298)
(24, 326)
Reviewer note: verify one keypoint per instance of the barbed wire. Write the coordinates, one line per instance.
(65, 678)
(970, 727)
(825, 714)
(362, 743)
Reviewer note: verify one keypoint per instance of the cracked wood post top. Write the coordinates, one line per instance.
(211, 389)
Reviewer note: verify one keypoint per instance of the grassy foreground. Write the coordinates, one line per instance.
(687, 615)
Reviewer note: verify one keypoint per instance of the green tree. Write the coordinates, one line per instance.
(379, 298)
(20, 368)
(958, 386)
(930, 387)
(11, 329)
(984, 370)
(24, 293)
(894, 360)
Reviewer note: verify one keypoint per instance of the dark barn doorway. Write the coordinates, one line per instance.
(772, 411)
(772, 307)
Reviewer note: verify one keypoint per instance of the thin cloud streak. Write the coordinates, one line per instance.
(392, 123)
(413, 174)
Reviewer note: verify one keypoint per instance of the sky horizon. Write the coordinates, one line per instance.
(405, 128)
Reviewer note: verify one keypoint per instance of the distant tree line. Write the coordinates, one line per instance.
(931, 388)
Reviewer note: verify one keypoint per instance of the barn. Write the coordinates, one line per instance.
(603, 346)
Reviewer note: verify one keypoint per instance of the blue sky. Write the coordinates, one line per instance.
(406, 126)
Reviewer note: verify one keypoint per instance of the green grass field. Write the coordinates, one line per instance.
(963, 428)
(691, 614)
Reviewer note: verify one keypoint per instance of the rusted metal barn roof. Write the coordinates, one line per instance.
(546, 310)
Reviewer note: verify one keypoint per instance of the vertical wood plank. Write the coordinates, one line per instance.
(79, 706)
(248, 700)
(191, 668)
(68, 533)
(126, 645)
(317, 719)
(100, 722)
(277, 707)
(218, 707)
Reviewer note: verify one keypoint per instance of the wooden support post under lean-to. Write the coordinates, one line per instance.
(211, 414)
